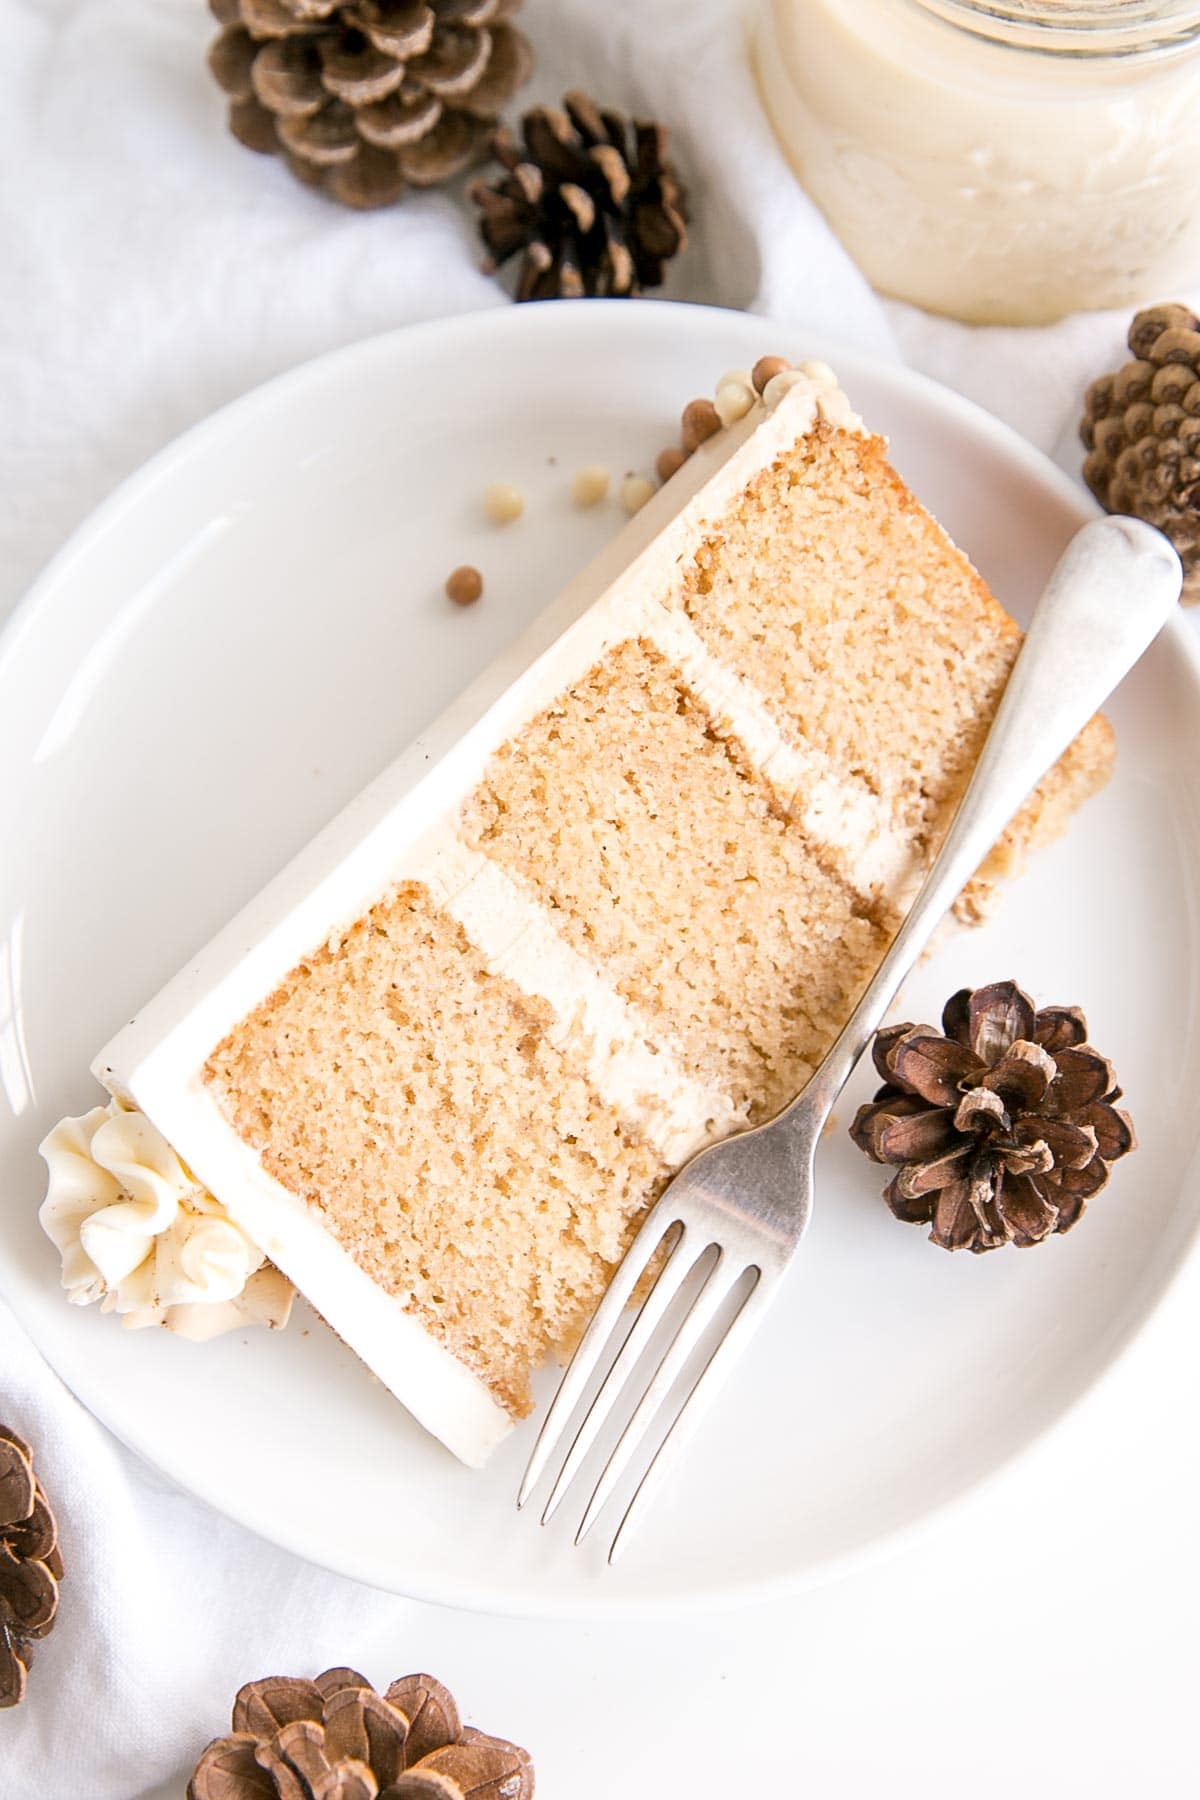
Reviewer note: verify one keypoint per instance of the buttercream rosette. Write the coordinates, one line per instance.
(138, 1233)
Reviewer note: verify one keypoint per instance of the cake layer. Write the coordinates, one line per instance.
(669, 861)
(411, 1098)
(870, 637)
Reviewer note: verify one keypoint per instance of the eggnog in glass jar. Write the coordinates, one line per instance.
(1003, 162)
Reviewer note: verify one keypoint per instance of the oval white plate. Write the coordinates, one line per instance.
(255, 625)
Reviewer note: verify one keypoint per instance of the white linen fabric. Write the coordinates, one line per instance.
(150, 270)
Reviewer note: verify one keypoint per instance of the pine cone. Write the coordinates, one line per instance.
(1141, 428)
(1004, 1123)
(30, 1565)
(368, 99)
(335, 1738)
(590, 208)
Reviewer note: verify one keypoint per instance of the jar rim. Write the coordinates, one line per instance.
(1080, 28)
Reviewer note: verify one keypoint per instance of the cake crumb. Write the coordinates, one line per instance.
(503, 502)
(464, 585)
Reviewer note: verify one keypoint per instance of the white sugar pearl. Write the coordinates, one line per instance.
(821, 373)
(734, 400)
(735, 375)
(635, 490)
(835, 409)
(589, 485)
(782, 384)
(502, 502)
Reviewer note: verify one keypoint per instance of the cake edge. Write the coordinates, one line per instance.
(452, 1403)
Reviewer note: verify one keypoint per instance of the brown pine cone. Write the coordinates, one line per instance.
(30, 1565)
(1141, 428)
(590, 207)
(1003, 1124)
(366, 100)
(335, 1738)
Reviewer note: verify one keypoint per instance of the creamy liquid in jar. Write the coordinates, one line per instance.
(1004, 178)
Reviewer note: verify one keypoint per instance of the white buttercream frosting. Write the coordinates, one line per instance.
(841, 815)
(633, 1072)
(137, 1232)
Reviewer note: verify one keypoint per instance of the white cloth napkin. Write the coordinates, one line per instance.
(150, 270)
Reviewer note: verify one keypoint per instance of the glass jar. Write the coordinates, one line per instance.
(1004, 162)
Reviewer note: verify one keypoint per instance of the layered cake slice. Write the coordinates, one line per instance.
(616, 903)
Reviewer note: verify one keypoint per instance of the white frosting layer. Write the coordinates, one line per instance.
(641, 1079)
(139, 1233)
(843, 817)
(401, 827)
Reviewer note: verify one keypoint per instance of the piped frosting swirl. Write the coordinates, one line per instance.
(137, 1232)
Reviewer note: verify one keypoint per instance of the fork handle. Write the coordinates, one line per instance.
(1112, 591)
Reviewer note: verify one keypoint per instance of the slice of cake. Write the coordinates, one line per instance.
(616, 903)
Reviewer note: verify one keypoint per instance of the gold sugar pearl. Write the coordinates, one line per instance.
(464, 585)
(765, 369)
(701, 421)
(669, 462)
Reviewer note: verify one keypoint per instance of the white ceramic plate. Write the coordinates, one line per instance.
(251, 629)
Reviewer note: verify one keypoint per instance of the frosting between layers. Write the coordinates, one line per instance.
(632, 1069)
(641, 1080)
(140, 1234)
(841, 817)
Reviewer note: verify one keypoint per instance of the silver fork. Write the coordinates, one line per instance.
(732, 1218)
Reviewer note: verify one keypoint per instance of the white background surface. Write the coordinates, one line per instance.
(1043, 1639)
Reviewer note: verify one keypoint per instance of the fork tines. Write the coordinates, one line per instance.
(698, 1282)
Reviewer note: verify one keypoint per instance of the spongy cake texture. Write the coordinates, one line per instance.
(411, 1097)
(452, 1125)
(670, 860)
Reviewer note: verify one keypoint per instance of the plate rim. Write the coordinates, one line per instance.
(238, 415)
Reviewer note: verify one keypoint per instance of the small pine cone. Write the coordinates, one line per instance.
(335, 1738)
(1003, 1124)
(30, 1565)
(366, 100)
(590, 206)
(1141, 429)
